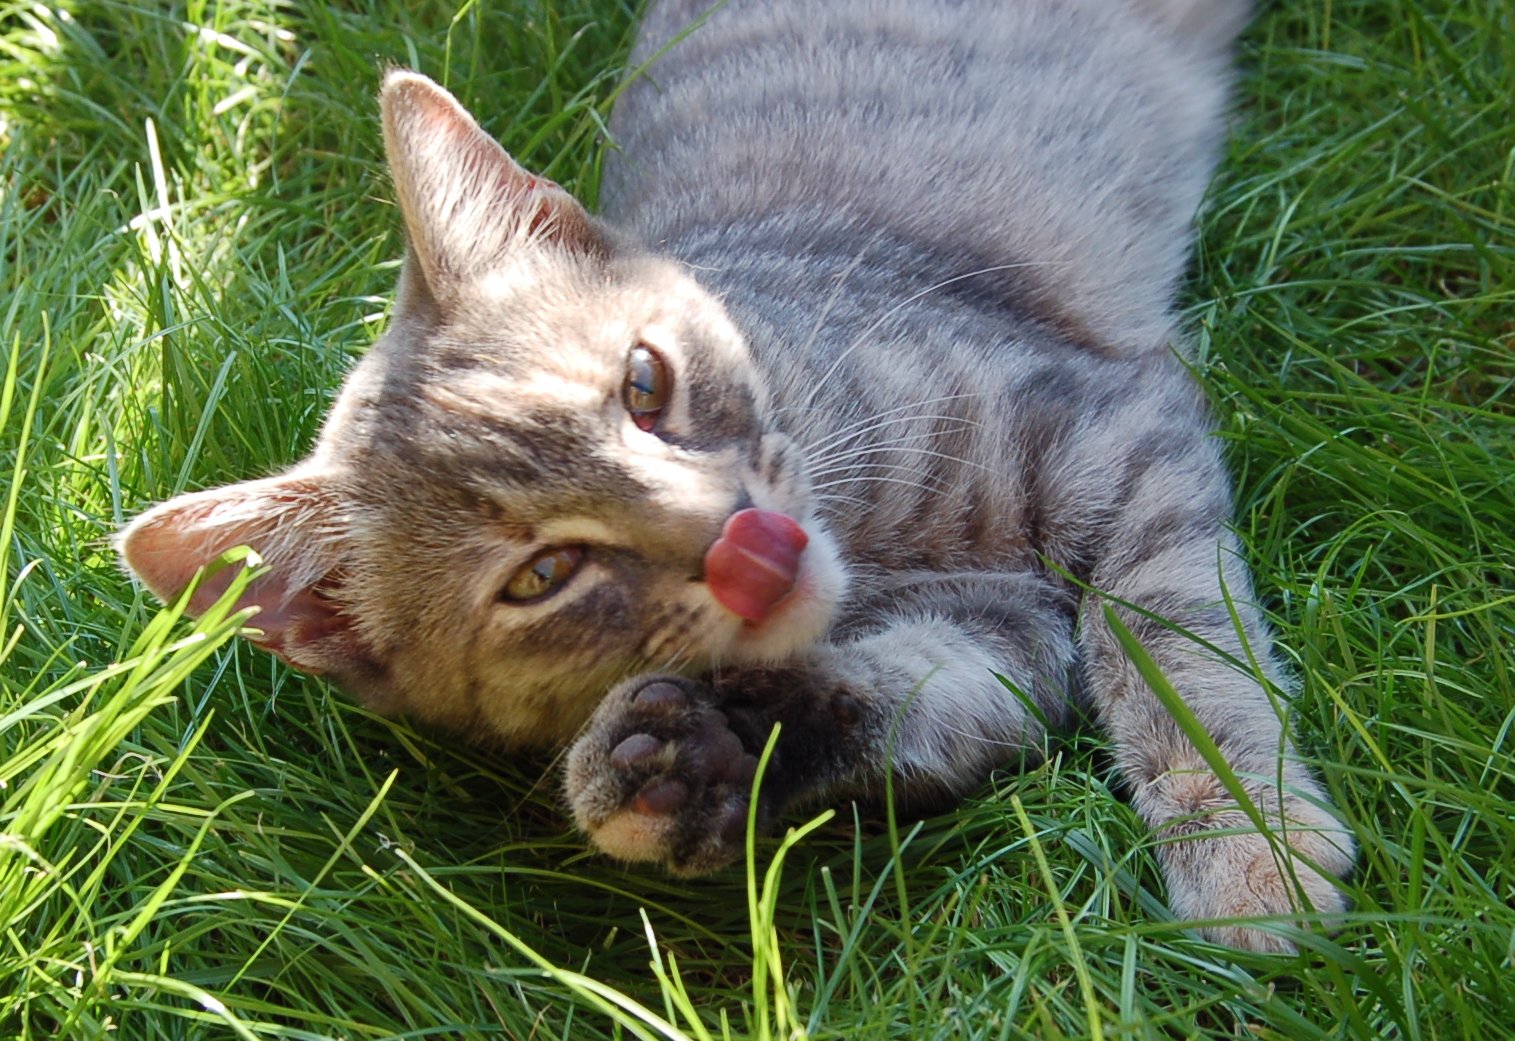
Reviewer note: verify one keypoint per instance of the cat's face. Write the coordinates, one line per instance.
(553, 471)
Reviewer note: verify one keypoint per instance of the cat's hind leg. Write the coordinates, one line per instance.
(1169, 554)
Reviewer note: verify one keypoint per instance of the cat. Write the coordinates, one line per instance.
(852, 414)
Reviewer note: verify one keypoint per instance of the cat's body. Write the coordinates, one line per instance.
(945, 239)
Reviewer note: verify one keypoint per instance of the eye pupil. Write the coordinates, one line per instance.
(647, 386)
(543, 574)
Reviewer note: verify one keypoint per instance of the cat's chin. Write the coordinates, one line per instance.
(804, 615)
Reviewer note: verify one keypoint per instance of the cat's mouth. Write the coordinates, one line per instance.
(755, 563)
(781, 580)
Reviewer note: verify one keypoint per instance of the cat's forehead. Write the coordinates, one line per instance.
(551, 312)
(484, 429)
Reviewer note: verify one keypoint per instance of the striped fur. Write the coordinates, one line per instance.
(913, 268)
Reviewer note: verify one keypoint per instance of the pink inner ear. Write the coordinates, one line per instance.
(288, 522)
(283, 616)
(464, 199)
(211, 589)
(291, 626)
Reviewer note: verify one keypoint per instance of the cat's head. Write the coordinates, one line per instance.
(554, 470)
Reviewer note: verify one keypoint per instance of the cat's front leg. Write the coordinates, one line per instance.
(911, 704)
(664, 774)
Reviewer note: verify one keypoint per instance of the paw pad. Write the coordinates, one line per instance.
(636, 749)
(659, 775)
(660, 697)
(661, 797)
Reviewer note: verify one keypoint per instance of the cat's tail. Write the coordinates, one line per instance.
(1208, 24)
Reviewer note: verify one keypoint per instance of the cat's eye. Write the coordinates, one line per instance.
(543, 574)
(648, 386)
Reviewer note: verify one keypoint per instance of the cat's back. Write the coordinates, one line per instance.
(1072, 138)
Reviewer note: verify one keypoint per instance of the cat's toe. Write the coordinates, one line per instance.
(636, 750)
(1274, 889)
(660, 696)
(1239, 881)
(659, 776)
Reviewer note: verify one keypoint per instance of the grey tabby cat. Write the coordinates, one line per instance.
(899, 365)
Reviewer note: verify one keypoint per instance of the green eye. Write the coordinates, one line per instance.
(543, 574)
(648, 386)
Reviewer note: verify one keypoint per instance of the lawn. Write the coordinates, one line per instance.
(196, 239)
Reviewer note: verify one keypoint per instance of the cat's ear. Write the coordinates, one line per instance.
(296, 526)
(466, 203)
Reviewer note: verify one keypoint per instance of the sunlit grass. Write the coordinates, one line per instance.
(196, 240)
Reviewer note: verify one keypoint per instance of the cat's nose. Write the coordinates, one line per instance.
(755, 562)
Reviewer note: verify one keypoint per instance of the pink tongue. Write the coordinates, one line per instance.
(754, 563)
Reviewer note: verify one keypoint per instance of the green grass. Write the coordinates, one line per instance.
(195, 241)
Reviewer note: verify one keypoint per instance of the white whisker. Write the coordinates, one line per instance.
(834, 296)
(829, 500)
(882, 479)
(840, 475)
(890, 411)
(862, 429)
(912, 298)
(843, 462)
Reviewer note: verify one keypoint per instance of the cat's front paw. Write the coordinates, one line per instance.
(1242, 875)
(659, 775)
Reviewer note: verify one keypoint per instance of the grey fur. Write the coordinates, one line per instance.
(921, 300)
